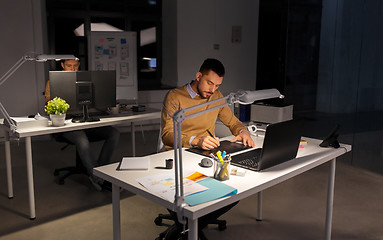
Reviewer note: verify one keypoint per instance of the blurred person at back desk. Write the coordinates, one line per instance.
(82, 138)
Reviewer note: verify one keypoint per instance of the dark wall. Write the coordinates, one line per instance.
(289, 40)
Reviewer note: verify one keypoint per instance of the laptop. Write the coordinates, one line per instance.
(281, 144)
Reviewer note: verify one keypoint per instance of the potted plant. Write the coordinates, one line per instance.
(57, 108)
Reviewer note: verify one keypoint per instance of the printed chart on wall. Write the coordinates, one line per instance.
(116, 51)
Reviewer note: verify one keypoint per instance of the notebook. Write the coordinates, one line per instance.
(134, 163)
(225, 145)
(281, 144)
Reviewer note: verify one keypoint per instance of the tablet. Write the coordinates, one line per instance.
(226, 145)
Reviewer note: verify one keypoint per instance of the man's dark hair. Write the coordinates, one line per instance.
(214, 65)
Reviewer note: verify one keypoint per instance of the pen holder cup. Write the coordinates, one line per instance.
(222, 170)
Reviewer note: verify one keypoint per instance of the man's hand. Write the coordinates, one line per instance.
(245, 138)
(206, 142)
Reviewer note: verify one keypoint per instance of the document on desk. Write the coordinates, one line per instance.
(164, 184)
(198, 188)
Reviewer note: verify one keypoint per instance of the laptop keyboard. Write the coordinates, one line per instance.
(250, 162)
(248, 159)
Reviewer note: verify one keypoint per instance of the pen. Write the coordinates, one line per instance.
(211, 135)
(214, 157)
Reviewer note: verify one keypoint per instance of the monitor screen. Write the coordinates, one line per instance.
(97, 88)
(153, 63)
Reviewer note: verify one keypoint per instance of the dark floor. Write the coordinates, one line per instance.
(294, 209)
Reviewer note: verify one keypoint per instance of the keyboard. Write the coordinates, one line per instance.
(91, 114)
(250, 162)
(248, 159)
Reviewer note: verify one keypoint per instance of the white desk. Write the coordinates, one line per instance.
(27, 133)
(253, 182)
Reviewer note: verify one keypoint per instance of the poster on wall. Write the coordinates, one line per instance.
(116, 51)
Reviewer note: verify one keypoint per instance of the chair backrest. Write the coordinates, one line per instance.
(221, 130)
(160, 144)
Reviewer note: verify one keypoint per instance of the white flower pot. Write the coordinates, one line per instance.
(57, 119)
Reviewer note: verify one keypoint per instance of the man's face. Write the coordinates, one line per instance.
(207, 83)
(70, 65)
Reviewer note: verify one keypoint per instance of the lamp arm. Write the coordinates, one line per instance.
(179, 199)
(27, 57)
(205, 104)
(4, 78)
(207, 110)
(178, 118)
(13, 69)
(12, 125)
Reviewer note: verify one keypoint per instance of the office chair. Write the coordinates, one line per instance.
(174, 231)
(160, 144)
(71, 170)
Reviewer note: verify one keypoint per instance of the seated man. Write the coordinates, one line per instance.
(194, 130)
(201, 90)
(82, 138)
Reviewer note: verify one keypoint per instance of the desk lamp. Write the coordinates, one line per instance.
(242, 97)
(27, 57)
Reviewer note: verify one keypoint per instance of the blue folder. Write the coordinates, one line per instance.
(216, 190)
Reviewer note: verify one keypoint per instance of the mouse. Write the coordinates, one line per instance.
(76, 120)
(206, 162)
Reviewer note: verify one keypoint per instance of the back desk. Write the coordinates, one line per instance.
(27, 133)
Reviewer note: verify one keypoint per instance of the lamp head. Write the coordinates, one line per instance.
(248, 97)
(46, 57)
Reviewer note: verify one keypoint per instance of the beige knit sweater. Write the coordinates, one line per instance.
(196, 126)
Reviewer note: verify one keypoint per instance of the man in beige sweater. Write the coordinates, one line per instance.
(194, 130)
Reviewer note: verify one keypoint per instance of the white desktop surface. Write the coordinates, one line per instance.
(253, 182)
(28, 132)
(106, 121)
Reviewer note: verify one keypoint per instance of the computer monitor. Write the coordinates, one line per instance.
(94, 89)
(153, 63)
(104, 89)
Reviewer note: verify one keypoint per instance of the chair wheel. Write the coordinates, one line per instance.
(158, 221)
(61, 181)
(174, 233)
(222, 225)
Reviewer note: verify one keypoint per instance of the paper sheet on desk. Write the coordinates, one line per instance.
(198, 188)
(164, 184)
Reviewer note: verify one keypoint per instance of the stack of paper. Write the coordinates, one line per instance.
(24, 122)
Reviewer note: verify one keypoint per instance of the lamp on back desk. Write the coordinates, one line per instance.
(243, 97)
(27, 57)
